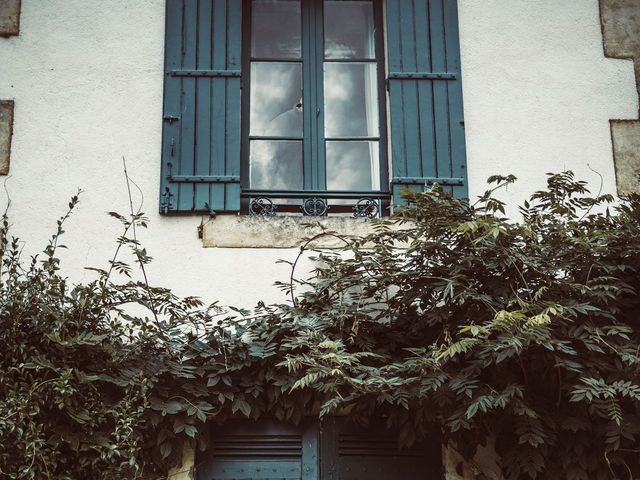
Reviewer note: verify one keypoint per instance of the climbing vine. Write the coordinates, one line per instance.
(448, 316)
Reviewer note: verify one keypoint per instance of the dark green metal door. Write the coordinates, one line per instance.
(333, 449)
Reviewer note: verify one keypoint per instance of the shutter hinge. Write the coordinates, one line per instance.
(170, 118)
(422, 75)
(203, 73)
(449, 181)
(167, 201)
(204, 178)
(212, 212)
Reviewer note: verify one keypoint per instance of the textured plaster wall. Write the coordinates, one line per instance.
(539, 91)
(86, 76)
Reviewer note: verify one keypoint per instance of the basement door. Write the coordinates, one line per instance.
(333, 449)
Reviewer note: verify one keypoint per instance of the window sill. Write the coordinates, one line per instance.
(238, 231)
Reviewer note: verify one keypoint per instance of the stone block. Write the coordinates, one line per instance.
(621, 35)
(6, 130)
(186, 470)
(9, 17)
(281, 231)
(621, 28)
(626, 152)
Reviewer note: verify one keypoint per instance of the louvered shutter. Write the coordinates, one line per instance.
(201, 119)
(264, 450)
(350, 452)
(425, 95)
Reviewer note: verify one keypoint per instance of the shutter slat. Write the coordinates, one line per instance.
(410, 89)
(396, 113)
(203, 145)
(425, 91)
(219, 59)
(172, 88)
(440, 90)
(234, 61)
(427, 137)
(202, 105)
(456, 114)
(188, 105)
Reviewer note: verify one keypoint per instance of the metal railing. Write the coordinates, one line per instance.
(316, 203)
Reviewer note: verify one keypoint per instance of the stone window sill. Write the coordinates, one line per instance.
(238, 231)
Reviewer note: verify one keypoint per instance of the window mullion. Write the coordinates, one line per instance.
(318, 113)
(308, 98)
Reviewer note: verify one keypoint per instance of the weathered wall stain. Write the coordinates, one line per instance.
(9, 17)
(6, 130)
(621, 35)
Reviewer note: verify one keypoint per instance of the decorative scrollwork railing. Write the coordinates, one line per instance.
(262, 206)
(366, 208)
(316, 203)
(314, 207)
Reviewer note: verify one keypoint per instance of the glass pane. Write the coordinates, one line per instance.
(350, 100)
(276, 99)
(353, 165)
(348, 30)
(276, 165)
(275, 29)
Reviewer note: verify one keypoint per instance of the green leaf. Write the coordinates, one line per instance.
(191, 430)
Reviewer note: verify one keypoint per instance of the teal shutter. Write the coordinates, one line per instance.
(265, 450)
(350, 452)
(201, 119)
(425, 96)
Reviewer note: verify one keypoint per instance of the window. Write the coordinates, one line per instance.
(284, 106)
(313, 115)
(335, 450)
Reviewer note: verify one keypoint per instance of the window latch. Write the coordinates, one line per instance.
(317, 112)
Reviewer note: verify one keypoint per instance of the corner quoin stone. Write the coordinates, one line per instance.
(621, 36)
(626, 153)
(9, 17)
(6, 130)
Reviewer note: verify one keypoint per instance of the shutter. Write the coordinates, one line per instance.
(201, 120)
(425, 96)
(264, 450)
(350, 452)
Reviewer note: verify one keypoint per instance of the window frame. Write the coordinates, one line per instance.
(314, 139)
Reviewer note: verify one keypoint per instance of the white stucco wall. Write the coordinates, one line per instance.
(86, 76)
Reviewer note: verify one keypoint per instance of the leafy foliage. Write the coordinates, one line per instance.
(527, 331)
(448, 315)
